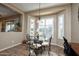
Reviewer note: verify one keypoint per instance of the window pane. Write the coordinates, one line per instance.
(49, 21)
(10, 26)
(42, 22)
(50, 27)
(7, 27)
(46, 28)
(41, 32)
(32, 28)
(48, 32)
(60, 26)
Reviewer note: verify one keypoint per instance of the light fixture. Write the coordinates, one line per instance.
(39, 11)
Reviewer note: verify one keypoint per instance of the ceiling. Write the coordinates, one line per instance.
(25, 7)
(5, 11)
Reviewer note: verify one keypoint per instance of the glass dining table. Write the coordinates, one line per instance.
(37, 47)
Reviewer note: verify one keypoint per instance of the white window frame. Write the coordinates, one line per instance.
(61, 13)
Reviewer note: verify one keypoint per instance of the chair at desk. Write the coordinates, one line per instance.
(49, 47)
(68, 49)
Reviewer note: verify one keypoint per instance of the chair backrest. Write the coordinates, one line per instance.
(40, 42)
(28, 37)
(50, 39)
(49, 48)
(68, 49)
(35, 41)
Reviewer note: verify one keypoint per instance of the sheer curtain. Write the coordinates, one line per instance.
(31, 26)
(46, 27)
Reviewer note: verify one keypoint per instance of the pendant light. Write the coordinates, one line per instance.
(39, 11)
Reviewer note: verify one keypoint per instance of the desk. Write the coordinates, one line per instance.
(75, 47)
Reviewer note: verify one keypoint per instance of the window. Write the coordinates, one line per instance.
(49, 27)
(60, 26)
(32, 27)
(46, 27)
(41, 29)
(10, 26)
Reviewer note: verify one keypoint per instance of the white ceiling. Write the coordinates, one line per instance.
(5, 11)
(33, 6)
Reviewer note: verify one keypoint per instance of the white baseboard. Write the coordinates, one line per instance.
(20, 43)
(57, 45)
(10, 47)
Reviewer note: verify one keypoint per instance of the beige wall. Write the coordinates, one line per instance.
(0, 26)
(10, 39)
(75, 23)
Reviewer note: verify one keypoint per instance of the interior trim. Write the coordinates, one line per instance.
(9, 47)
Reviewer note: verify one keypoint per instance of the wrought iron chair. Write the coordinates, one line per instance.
(49, 46)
